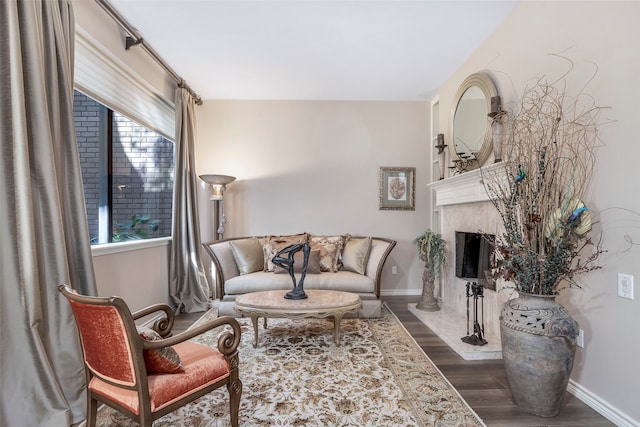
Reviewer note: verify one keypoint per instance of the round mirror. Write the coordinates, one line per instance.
(469, 126)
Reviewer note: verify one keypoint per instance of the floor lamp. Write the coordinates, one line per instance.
(217, 185)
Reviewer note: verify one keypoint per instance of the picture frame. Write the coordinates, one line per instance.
(397, 188)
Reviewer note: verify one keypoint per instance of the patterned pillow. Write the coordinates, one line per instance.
(330, 248)
(355, 255)
(313, 266)
(163, 360)
(273, 244)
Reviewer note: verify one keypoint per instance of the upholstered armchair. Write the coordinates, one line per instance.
(145, 372)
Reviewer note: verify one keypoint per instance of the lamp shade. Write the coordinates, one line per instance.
(217, 179)
(217, 184)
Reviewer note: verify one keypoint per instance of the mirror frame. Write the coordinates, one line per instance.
(488, 88)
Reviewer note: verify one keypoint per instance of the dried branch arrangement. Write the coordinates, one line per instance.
(550, 158)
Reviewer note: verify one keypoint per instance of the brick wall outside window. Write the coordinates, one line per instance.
(142, 167)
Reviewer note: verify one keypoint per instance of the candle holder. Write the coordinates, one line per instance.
(440, 145)
(465, 162)
(497, 115)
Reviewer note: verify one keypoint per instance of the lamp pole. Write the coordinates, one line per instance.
(217, 185)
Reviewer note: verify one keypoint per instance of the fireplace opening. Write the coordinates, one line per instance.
(475, 257)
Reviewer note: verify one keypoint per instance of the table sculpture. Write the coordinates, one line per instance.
(287, 262)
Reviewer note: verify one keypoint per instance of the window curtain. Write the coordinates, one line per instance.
(43, 226)
(187, 278)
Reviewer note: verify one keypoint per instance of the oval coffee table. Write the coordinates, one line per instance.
(318, 304)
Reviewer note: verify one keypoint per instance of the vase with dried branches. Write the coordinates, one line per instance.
(541, 199)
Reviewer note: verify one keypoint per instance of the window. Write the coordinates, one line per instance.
(127, 173)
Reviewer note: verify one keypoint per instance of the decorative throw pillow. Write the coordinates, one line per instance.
(330, 248)
(355, 255)
(273, 244)
(163, 360)
(313, 266)
(248, 255)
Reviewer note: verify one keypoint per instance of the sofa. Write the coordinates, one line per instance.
(341, 262)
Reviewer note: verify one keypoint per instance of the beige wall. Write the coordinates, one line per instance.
(313, 166)
(138, 275)
(607, 34)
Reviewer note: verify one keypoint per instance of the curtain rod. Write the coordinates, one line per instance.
(135, 38)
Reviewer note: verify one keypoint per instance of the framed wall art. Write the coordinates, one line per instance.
(397, 188)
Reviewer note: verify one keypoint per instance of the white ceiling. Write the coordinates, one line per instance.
(315, 50)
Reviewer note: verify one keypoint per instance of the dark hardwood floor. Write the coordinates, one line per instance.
(482, 383)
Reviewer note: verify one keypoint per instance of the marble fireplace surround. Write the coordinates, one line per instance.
(462, 204)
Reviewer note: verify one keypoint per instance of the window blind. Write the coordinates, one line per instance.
(104, 77)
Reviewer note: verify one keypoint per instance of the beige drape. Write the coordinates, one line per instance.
(187, 278)
(43, 226)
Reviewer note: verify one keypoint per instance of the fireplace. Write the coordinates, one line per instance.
(463, 206)
(475, 257)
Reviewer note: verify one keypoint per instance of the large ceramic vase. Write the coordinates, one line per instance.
(538, 347)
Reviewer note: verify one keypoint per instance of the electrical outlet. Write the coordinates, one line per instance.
(580, 339)
(394, 270)
(625, 286)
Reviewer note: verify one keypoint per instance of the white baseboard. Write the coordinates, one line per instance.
(608, 411)
(400, 292)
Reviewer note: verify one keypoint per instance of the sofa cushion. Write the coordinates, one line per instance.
(248, 255)
(264, 281)
(203, 366)
(272, 244)
(224, 255)
(330, 248)
(355, 255)
(313, 266)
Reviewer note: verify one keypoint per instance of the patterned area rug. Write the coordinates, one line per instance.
(379, 376)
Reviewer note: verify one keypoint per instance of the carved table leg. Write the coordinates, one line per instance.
(254, 320)
(336, 326)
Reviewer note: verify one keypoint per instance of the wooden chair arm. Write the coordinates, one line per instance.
(228, 341)
(163, 325)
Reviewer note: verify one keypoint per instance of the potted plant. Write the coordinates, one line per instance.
(540, 196)
(137, 228)
(431, 250)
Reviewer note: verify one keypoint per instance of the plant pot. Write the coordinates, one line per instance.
(538, 348)
(428, 302)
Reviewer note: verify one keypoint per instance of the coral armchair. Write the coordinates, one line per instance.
(145, 378)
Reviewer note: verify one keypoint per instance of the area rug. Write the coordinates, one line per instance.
(378, 376)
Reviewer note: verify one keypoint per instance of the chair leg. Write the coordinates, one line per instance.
(145, 417)
(145, 421)
(235, 392)
(92, 410)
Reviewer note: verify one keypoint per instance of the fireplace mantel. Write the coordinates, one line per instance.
(464, 188)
